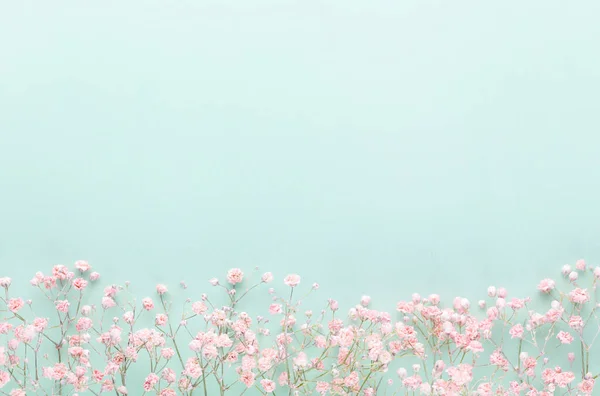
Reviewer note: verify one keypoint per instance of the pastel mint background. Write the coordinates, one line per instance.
(378, 147)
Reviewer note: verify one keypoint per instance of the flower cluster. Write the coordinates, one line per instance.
(502, 345)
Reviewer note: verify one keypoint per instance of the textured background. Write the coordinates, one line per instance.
(378, 147)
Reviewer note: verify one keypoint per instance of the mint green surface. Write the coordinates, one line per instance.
(377, 147)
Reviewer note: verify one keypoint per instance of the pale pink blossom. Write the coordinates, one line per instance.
(80, 283)
(413, 382)
(267, 385)
(161, 289)
(84, 324)
(199, 307)
(485, 389)
(5, 282)
(108, 302)
(267, 277)
(161, 319)
(247, 377)
(546, 285)
(235, 276)
(579, 296)
(292, 280)
(151, 381)
(40, 324)
(61, 272)
(15, 304)
(573, 276)
(365, 301)
(4, 378)
(401, 372)
(586, 386)
(576, 322)
(62, 305)
(128, 317)
(275, 309)
(169, 375)
(322, 387)
(461, 374)
(333, 304)
(283, 379)
(82, 265)
(167, 353)
(564, 337)
(147, 304)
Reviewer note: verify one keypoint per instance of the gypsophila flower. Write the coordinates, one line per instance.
(305, 351)
(161, 289)
(292, 280)
(235, 276)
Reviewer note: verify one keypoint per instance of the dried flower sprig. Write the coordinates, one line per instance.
(500, 346)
